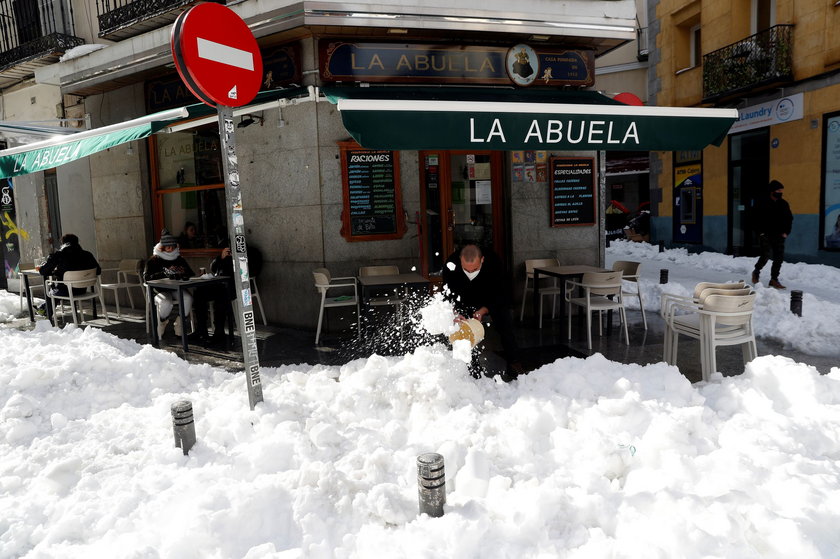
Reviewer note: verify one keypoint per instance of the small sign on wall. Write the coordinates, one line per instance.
(572, 191)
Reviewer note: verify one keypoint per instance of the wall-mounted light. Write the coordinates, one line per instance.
(130, 149)
(397, 31)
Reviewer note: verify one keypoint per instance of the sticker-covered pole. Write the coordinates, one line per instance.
(243, 309)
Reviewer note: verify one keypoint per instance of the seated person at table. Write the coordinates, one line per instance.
(220, 295)
(167, 263)
(69, 257)
(475, 279)
(189, 238)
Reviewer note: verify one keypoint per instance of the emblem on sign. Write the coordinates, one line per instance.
(522, 64)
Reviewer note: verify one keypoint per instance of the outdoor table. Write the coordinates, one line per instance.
(564, 273)
(179, 286)
(25, 274)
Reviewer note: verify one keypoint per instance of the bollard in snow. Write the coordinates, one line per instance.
(796, 302)
(661, 246)
(183, 425)
(663, 276)
(431, 484)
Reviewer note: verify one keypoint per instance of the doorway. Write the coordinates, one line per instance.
(749, 164)
(460, 203)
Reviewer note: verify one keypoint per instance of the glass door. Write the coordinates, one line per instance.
(749, 164)
(461, 203)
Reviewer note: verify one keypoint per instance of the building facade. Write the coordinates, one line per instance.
(777, 62)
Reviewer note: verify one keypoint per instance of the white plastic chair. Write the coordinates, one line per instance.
(630, 282)
(552, 291)
(77, 280)
(128, 276)
(601, 292)
(323, 283)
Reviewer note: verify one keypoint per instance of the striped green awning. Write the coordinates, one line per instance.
(463, 118)
(39, 156)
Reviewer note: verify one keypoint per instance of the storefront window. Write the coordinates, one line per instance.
(189, 188)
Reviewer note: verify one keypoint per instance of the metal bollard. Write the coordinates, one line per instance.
(431, 484)
(183, 424)
(796, 302)
(663, 276)
(661, 246)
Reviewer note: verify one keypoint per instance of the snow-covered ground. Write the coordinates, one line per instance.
(584, 458)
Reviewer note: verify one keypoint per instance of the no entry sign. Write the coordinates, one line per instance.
(216, 55)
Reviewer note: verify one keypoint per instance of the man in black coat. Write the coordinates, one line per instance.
(476, 281)
(69, 257)
(773, 222)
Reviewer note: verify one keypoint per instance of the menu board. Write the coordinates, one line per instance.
(372, 200)
(572, 187)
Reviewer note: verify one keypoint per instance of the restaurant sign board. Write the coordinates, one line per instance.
(521, 64)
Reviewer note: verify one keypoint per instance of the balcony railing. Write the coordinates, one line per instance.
(32, 30)
(120, 19)
(761, 59)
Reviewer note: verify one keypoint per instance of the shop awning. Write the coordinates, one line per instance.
(499, 119)
(39, 156)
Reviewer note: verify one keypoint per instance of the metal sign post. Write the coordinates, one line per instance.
(219, 60)
(244, 308)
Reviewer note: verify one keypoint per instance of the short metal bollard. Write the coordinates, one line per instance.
(663, 276)
(796, 302)
(661, 246)
(431, 484)
(183, 425)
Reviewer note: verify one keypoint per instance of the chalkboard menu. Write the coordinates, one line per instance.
(372, 199)
(572, 187)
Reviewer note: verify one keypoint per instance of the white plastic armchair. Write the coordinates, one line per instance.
(128, 275)
(323, 283)
(601, 292)
(548, 291)
(81, 279)
(630, 280)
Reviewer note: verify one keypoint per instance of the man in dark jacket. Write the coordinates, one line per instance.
(475, 278)
(773, 222)
(69, 257)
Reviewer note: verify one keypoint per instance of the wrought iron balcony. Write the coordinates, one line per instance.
(33, 34)
(121, 19)
(761, 59)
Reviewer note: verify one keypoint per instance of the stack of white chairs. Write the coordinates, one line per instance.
(716, 315)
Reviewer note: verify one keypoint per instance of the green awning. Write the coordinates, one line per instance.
(39, 156)
(498, 119)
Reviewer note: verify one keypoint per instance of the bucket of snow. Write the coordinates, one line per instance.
(470, 329)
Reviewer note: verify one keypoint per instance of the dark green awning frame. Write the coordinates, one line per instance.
(47, 154)
(394, 117)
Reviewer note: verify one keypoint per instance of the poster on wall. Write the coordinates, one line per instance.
(831, 182)
(8, 230)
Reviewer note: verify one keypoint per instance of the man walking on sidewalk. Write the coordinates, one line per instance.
(773, 221)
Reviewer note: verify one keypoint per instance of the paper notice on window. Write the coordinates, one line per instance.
(483, 192)
(481, 171)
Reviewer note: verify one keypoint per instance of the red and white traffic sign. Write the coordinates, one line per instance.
(216, 55)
